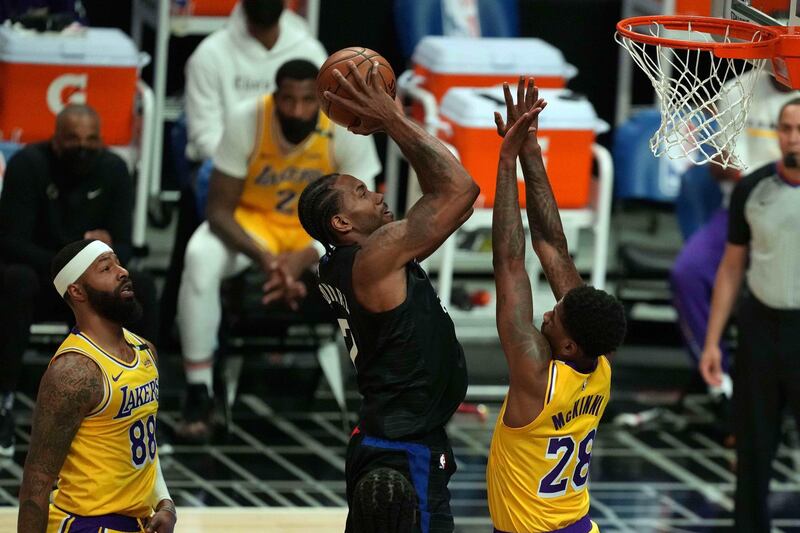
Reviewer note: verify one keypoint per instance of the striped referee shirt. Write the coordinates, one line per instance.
(765, 215)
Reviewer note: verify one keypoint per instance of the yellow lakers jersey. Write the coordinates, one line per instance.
(111, 465)
(276, 178)
(537, 475)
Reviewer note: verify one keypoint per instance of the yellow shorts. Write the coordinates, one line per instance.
(272, 233)
(62, 522)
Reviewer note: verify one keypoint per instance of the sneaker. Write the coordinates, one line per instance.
(7, 437)
(196, 426)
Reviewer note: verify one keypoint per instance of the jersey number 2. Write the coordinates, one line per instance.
(286, 201)
(554, 484)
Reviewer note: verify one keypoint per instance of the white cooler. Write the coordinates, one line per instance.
(41, 73)
(446, 62)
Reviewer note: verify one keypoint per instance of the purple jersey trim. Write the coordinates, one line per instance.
(584, 525)
(90, 524)
(572, 365)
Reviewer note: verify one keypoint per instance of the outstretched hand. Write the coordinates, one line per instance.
(366, 99)
(527, 100)
(516, 135)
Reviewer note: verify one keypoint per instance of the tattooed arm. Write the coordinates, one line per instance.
(525, 348)
(70, 389)
(547, 234)
(448, 191)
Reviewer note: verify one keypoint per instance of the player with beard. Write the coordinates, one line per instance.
(271, 149)
(95, 416)
(55, 192)
(410, 366)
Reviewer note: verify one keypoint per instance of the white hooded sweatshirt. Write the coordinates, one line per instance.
(230, 66)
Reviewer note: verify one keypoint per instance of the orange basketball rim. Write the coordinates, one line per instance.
(733, 39)
(704, 71)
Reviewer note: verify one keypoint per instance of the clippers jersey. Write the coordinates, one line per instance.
(537, 475)
(111, 465)
(275, 179)
(410, 366)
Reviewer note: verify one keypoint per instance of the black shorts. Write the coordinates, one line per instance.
(427, 463)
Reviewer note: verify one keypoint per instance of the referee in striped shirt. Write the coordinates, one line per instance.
(764, 248)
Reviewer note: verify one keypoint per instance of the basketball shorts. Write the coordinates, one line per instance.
(271, 232)
(427, 463)
(60, 521)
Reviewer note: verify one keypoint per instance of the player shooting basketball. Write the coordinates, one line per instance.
(559, 377)
(95, 418)
(410, 365)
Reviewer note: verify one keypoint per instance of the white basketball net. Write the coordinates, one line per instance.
(702, 113)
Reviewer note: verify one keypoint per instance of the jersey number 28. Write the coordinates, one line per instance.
(555, 482)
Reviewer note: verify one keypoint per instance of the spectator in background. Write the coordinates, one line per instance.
(56, 192)
(35, 13)
(273, 147)
(762, 244)
(230, 66)
(692, 276)
(238, 62)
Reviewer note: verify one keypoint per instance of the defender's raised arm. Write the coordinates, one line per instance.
(547, 234)
(525, 348)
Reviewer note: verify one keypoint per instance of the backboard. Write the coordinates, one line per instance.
(764, 12)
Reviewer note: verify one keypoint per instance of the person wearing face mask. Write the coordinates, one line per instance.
(272, 148)
(56, 192)
(762, 249)
(234, 64)
(239, 62)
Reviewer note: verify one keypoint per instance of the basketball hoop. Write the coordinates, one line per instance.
(696, 65)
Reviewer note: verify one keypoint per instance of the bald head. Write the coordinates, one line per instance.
(76, 140)
(76, 112)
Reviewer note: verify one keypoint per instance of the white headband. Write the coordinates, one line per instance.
(78, 265)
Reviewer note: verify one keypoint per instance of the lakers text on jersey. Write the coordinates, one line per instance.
(111, 466)
(275, 180)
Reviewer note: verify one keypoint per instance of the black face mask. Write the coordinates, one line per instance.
(296, 130)
(78, 161)
(113, 307)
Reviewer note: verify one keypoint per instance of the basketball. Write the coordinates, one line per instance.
(363, 58)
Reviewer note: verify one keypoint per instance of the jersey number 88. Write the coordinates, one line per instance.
(142, 434)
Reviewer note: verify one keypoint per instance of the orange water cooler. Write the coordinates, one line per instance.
(41, 73)
(203, 8)
(700, 8)
(567, 129)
